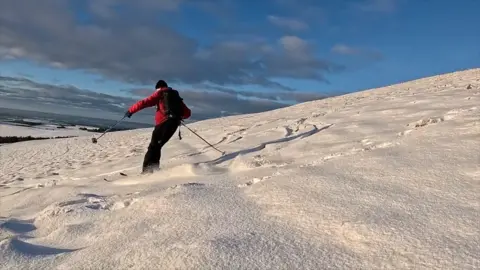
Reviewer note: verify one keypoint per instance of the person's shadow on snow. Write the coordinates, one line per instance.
(263, 145)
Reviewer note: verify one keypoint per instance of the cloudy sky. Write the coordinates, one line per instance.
(225, 56)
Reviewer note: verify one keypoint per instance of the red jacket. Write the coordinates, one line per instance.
(153, 100)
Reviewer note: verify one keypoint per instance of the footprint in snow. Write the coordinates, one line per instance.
(426, 121)
(257, 180)
(191, 184)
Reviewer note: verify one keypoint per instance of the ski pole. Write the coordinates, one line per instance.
(223, 153)
(94, 140)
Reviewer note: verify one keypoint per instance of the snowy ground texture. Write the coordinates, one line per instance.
(381, 179)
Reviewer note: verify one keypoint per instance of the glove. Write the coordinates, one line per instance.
(169, 115)
(128, 114)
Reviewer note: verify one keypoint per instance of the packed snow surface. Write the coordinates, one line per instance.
(382, 179)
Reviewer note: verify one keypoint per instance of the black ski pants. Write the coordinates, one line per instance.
(160, 136)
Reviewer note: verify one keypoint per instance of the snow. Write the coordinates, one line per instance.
(42, 131)
(387, 178)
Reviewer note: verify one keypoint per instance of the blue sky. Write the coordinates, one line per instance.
(258, 55)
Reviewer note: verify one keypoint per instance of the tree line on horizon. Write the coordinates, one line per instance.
(15, 139)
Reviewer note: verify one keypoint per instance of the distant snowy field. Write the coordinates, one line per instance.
(382, 179)
(42, 131)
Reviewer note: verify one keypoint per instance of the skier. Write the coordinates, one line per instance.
(170, 110)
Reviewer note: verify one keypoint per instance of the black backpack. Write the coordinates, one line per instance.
(173, 104)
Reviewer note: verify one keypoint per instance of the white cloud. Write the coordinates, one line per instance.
(293, 44)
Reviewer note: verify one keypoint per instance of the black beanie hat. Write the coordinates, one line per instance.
(160, 84)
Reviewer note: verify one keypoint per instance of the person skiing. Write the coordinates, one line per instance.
(170, 110)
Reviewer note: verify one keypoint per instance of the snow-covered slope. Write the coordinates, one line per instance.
(382, 179)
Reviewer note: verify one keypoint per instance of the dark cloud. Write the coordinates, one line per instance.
(282, 97)
(131, 41)
(62, 95)
(209, 104)
(214, 102)
(136, 48)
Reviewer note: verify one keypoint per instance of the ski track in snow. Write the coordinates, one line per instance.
(382, 179)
